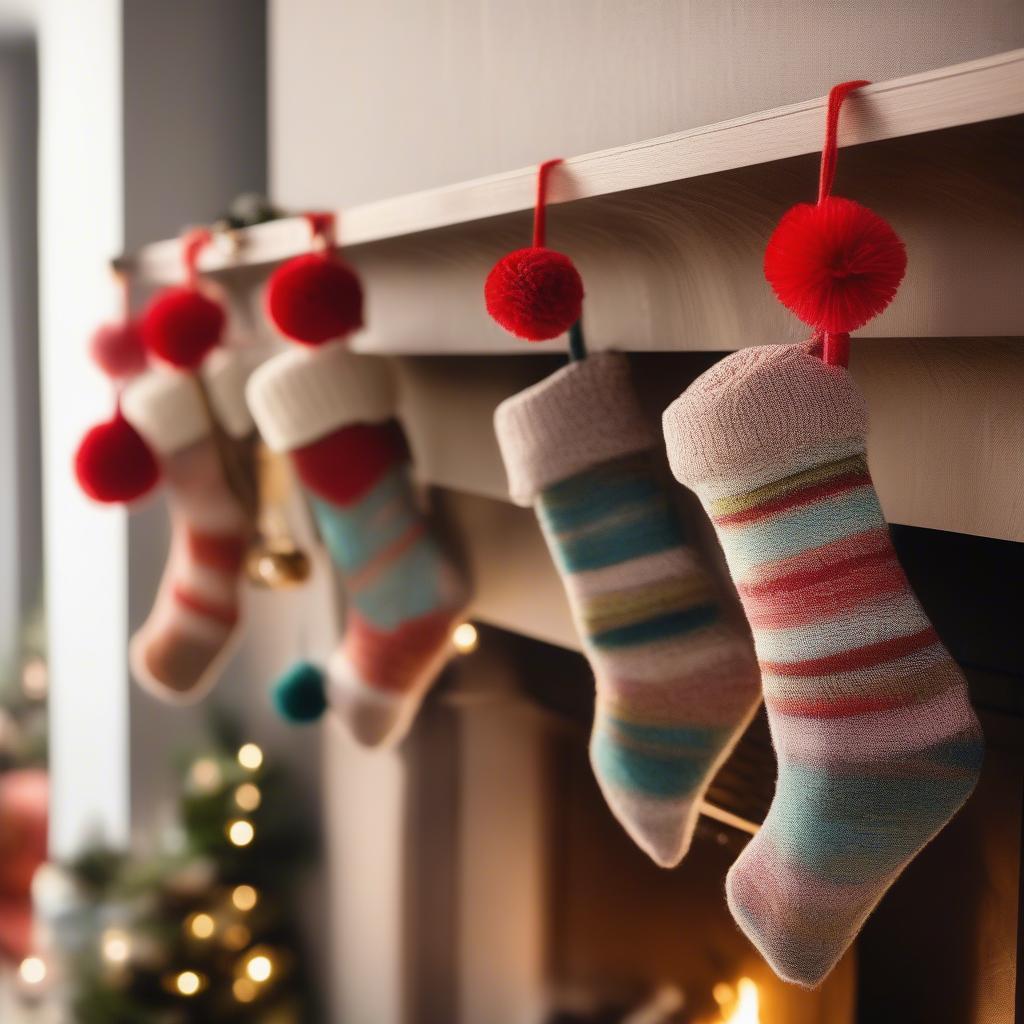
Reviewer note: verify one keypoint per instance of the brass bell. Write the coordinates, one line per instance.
(277, 564)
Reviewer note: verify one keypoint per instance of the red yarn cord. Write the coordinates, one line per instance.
(835, 347)
(193, 243)
(540, 219)
(324, 226)
(831, 149)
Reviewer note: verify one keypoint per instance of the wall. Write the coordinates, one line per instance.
(371, 98)
(20, 484)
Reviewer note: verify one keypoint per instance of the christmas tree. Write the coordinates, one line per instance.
(201, 931)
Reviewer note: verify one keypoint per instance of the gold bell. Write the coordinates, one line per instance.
(277, 564)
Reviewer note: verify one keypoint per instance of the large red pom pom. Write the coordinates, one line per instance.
(114, 464)
(118, 349)
(315, 298)
(534, 293)
(835, 264)
(181, 326)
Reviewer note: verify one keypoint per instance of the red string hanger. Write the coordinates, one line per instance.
(535, 293)
(316, 297)
(116, 346)
(113, 464)
(183, 324)
(835, 264)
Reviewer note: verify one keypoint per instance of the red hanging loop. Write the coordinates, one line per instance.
(835, 349)
(323, 225)
(193, 243)
(829, 153)
(540, 216)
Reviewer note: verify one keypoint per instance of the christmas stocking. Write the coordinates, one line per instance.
(877, 744)
(333, 412)
(179, 651)
(676, 682)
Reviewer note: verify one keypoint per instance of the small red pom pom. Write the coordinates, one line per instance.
(835, 264)
(315, 298)
(181, 326)
(534, 293)
(118, 350)
(114, 464)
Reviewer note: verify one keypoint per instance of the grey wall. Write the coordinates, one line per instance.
(372, 98)
(195, 111)
(20, 483)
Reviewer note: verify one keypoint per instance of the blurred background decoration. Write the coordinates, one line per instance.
(24, 788)
(200, 930)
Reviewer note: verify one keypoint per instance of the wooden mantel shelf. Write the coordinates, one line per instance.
(968, 93)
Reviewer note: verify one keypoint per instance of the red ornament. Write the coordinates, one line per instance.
(534, 293)
(114, 464)
(181, 326)
(835, 264)
(118, 349)
(24, 799)
(315, 298)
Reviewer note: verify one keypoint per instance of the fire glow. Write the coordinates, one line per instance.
(741, 1005)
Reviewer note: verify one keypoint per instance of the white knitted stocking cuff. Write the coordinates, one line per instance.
(584, 414)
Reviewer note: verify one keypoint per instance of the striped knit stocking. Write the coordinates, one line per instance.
(333, 412)
(877, 744)
(676, 683)
(179, 651)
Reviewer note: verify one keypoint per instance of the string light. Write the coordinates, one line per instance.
(32, 970)
(116, 946)
(465, 637)
(259, 968)
(250, 756)
(202, 926)
(248, 796)
(188, 983)
(245, 991)
(244, 897)
(206, 775)
(241, 832)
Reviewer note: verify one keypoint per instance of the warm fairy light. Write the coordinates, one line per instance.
(250, 756)
(245, 991)
(248, 796)
(747, 1008)
(236, 936)
(206, 775)
(723, 994)
(241, 832)
(32, 971)
(465, 637)
(188, 983)
(116, 946)
(202, 926)
(244, 897)
(259, 968)
(35, 679)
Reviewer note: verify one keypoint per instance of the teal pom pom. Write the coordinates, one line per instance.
(300, 695)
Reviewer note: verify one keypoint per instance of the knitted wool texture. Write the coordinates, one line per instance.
(676, 683)
(179, 650)
(332, 411)
(876, 740)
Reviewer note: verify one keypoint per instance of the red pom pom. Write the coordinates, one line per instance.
(315, 298)
(114, 464)
(181, 326)
(534, 293)
(835, 265)
(118, 350)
